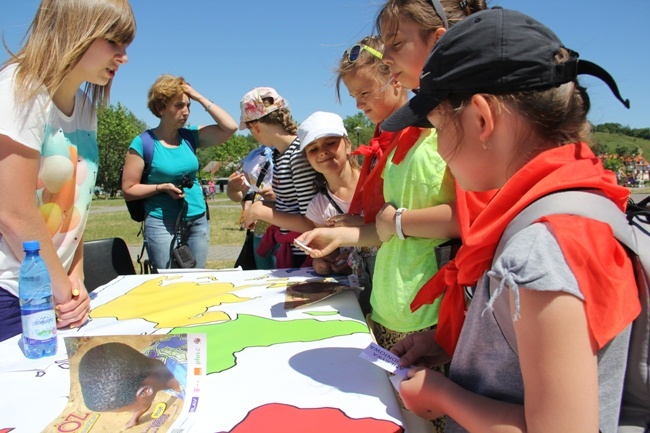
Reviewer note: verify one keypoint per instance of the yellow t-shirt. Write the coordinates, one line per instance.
(419, 181)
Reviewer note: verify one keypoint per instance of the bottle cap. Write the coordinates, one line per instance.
(31, 246)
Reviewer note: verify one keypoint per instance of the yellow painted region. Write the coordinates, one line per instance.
(158, 410)
(269, 281)
(171, 304)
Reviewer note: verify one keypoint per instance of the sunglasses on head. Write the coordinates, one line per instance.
(353, 53)
(440, 12)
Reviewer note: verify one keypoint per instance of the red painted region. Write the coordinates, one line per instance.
(6, 430)
(282, 418)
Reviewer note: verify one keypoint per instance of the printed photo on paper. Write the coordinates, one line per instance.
(133, 383)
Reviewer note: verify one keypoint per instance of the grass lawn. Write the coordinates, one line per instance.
(109, 218)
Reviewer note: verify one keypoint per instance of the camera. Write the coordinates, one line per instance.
(183, 256)
(186, 182)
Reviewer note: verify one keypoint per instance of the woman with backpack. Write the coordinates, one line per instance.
(175, 210)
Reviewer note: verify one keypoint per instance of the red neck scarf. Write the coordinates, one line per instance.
(566, 167)
(284, 253)
(369, 195)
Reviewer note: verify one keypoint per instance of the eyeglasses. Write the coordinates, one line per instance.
(440, 12)
(353, 53)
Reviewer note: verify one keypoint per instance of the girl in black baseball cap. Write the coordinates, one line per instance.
(502, 91)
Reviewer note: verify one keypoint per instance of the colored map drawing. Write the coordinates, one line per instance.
(226, 339)
(173, 304)
(281, 418)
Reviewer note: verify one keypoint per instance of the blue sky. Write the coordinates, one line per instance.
(225, 48)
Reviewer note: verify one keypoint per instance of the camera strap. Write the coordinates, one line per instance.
(179, 232)
(179, 228)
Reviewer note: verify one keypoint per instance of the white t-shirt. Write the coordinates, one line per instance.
(67, 173)
(320, 208)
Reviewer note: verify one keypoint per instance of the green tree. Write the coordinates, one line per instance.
(613, 164)
(116, 128)
(228, 153)
(622, 151)
(251, 141)
(612, 128)
(599, 149)
(363, 134)
(642, 133)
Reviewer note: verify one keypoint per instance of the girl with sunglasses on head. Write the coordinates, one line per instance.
(555, 359)
(418, 213)
(403, 168)
(176, 212)
(377, 95)
(48, 144)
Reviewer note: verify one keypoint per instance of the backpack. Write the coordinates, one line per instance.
(632, 229)
(136, 207)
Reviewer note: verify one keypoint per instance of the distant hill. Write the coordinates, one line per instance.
(612, 141)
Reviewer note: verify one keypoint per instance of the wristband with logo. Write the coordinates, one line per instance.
(398, 223)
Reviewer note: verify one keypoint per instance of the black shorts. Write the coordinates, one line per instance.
(10, 323)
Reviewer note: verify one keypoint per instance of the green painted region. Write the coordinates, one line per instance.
(322, 313)
(226, 339)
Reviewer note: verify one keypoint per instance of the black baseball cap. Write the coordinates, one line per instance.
(493, 51)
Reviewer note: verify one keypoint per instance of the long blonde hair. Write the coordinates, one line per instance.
(59, 36)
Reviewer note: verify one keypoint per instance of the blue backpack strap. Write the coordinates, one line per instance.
(189, 137)
(147, 151)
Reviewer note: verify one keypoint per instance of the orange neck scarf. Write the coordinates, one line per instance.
(369, 195)
(571, 166)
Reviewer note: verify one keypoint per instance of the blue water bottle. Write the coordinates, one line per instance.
(36, 304)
